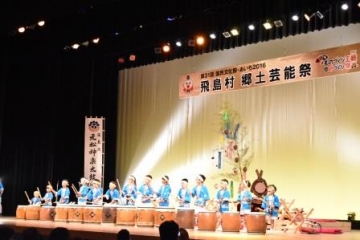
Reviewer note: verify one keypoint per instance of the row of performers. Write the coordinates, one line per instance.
(130, 192)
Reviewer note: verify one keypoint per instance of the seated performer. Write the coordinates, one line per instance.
(36, 200)
(63, 192)
(129, 191)
(184, 194)
(112, 195)
(83, 191)
(146, 191)
(164, 192)
(96, 193)
(48, 197)
(200, 192)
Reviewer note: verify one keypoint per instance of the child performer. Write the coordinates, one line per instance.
(271, 205)
(146, 190)
(48, 197)
(244, 199)
(164, 192)
(63, 192)
(200, 192)
(129, 191)
(112, 194)
(96, 193)
(222, 199)
(36, 200)
(184, 194)
(83, 191)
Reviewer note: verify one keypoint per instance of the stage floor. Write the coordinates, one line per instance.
(108, 231)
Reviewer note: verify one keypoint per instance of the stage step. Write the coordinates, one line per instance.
(342, 225)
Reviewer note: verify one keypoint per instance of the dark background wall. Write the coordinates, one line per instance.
(45, 94)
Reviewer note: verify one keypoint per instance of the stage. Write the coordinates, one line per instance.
(108, 231)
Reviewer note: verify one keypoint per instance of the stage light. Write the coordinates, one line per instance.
(21, 29)
(96, 40)
(319, 15)
(308, 17)
(85, 43)
(41, 23)
(251, 27)
(166, 48)
(278, 23)
(359, 4)
(157, 50)
(132, 57)
(234, 32)
(212, 36)
(32, 27)
(200, 40)
(191, 43)
(226, 34)
(121, 60)
(295, 17)
(75, 46)
(267, 25)
(344, 6)
(178, 43)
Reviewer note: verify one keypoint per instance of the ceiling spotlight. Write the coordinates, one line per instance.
(345, 6)
(178, 43)
(278, 23)
(267, 25)
(200, 40)
(251, 27)
(166, 48)
(308, 17)
(295, 17)
(121, 60)
(132, 57)
(41, 23)
(96, 40)
(75, 46)
(21, 29)
(212, 36)
(359, 4)
(234, 32)
(86, 43)
(319, 15)
(226, 34)
(191, 42)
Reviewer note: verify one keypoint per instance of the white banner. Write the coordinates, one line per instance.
(94, 148)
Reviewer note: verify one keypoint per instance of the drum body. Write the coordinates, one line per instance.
(145, 216)
(230, 221)
(164, 214)
(92, 214)
(47, 213)
(61, 211)
(126, 215)
(32, 213)
(20, 211)
(76, 213)
(207, 220)
(109, 213)
(255, 222)
(185, 217)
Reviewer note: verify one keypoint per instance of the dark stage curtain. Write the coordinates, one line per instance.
(44, 97)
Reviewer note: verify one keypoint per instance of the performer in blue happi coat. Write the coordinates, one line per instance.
(146, 191)
(63, 192)
(200, 192)
(95, 195)
(245, 197)
(184, 194)
(164, 192)
(112, 195)
(83, 191)
(271, 205)
(48, 197)
(36, 200)
(223, 196)
(129, 192)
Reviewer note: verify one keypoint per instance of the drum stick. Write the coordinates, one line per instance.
(74, 188)
(27, 196)
(119, 186)
(39, 192)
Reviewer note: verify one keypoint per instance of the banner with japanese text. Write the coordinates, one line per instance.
(94, 148)
(300, 67)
